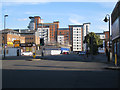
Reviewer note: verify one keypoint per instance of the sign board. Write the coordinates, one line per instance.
(26, 45)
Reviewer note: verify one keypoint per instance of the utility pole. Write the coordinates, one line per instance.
(4, 31)
(106, 20)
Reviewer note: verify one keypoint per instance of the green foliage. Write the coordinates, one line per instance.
(93, 41)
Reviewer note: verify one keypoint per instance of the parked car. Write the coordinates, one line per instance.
(65, 52)
(27, 53)
(82, 53)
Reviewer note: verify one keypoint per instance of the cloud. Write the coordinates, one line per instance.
(76, 19)
(23, 19)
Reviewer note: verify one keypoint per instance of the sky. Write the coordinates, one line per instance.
(67, 13)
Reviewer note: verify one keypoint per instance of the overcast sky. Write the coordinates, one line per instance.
(64, 12)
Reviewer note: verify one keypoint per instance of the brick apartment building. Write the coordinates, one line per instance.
(63, 33)
(10, 36)
(36, 22)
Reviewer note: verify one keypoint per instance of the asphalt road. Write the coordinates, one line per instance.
(63, 71)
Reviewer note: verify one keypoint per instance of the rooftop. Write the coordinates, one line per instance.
(63, 28)
(8, 31)
(76, 25)
(86, 23)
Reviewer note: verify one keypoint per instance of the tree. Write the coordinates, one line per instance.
(93, 41)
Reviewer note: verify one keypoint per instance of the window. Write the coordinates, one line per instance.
(60, 33)
(106, 36)
(86, 28)
(3, 38)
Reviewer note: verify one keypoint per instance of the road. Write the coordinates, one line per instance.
(62, 71)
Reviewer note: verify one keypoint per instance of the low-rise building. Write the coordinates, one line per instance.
(31, 37)
(9, 35)
(115, 21)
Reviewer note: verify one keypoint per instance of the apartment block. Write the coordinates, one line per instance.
(64, 32)
(36, 22)
(60, 39)
(76, 37)
(86, 28)
(45, 34)
(33, 25)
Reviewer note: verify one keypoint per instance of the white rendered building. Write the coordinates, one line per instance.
(44, 33)
(86, 27)
(60, 39)
(77, 39)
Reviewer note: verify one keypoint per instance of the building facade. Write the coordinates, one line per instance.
(65, 33)
(86, 28)
(8, 37)
(115, 22)
(76, 37)
(44, 33)
(103, 47)
(32, 39)
(36, 22)
(60, 39)
(33, 25)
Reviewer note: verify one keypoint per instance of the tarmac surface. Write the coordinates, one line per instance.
(60, 71)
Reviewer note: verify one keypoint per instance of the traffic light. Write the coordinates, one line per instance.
(41, 41)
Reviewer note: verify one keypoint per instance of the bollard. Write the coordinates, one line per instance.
(34, 55)
(115, 59)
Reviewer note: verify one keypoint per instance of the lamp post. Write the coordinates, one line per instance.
(107, 18)
(4, 31)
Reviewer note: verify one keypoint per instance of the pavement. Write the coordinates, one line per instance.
(60, 71)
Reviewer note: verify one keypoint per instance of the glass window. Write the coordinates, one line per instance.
(60, 33)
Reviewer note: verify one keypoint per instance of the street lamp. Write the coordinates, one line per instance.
(107, 18)
(4, 31)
